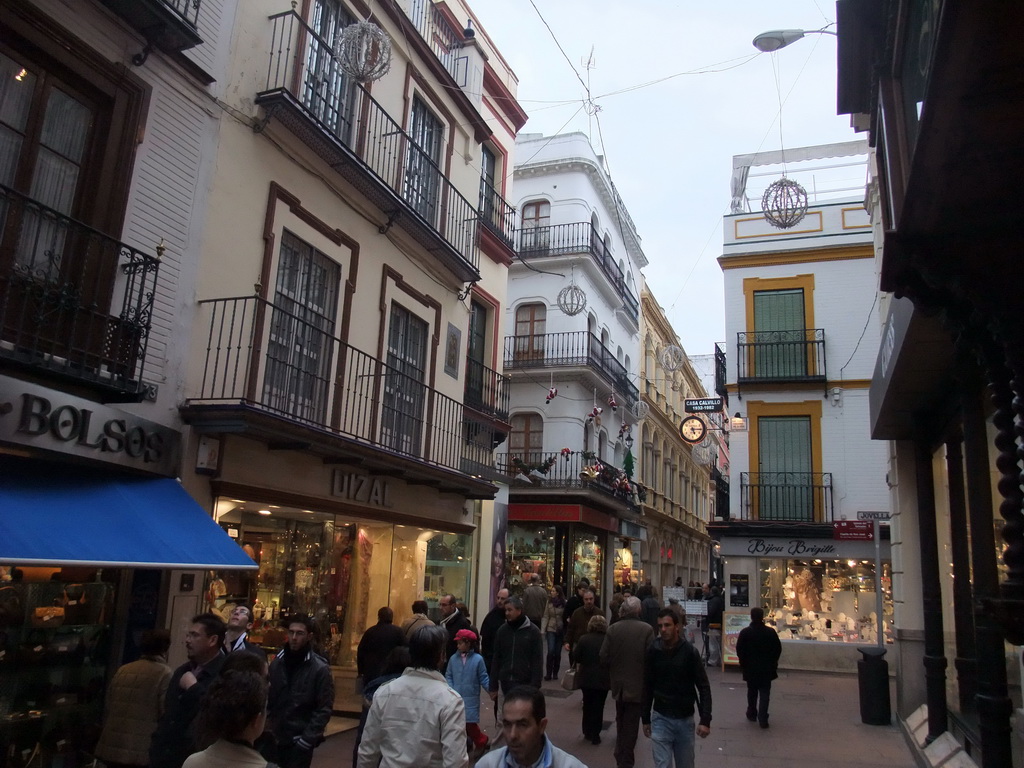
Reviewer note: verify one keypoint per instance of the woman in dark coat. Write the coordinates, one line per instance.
(593, 677)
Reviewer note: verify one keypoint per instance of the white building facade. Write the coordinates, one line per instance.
(801, 335)
(573, 500)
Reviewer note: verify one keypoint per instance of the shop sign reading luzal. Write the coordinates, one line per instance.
(364, 489)
(49, 420)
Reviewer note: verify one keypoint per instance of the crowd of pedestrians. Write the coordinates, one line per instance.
(422, 684)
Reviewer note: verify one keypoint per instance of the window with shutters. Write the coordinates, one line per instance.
(530, 334)
(405, 382)
(526, 440)
(422, 171)
(536, 233)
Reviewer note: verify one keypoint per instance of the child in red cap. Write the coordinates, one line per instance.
(467, 674)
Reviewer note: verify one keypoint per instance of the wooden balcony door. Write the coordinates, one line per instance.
(404, 382)
(784, 488)
(780, 350)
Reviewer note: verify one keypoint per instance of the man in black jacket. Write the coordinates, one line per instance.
(376, 643)
(237, 636)
(301, 698)
(174, 738)
(489, 627)
(758, 649)
(518, 651)
(675, 685)
(452, 620)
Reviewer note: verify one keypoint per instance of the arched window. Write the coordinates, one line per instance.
(531, 320)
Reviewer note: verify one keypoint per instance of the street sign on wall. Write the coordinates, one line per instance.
(703, 405)
(873, 515)
(853, 530)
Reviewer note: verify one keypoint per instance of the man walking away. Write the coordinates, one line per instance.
(523, 722)
(675, 685)
(649, 606)
(758, 649)
(135, 701)
(418, 619)
(301, 698)
(376, 643)
(716, 608)
(174, 738)
(624, 651)
(417, 721)
(535, 600)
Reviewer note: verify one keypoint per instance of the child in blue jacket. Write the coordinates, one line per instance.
(467, 674)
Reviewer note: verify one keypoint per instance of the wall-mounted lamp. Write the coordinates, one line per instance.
(629, 442)
(737, 423)
(767, 42)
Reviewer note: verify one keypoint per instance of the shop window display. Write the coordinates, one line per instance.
(628, 570)
(826, 600)
(54, 653)
(531, 549)
(586, 557)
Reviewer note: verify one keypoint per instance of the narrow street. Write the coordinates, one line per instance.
(815, 720)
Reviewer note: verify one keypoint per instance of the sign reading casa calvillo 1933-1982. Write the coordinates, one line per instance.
(48, 420)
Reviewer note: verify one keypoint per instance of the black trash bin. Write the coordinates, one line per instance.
(873, 680)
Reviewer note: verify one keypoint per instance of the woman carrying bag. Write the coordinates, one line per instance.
(593, 677)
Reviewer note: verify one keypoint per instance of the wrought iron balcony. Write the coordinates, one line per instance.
(781, 356)
(268, 360)
(573, 471)
(579, 349)
(496, 214)
(576, 238)
(170, 25)
(721, 373)
(486, 391)
(795, 497)
(339, 120)
(444, 41)
(74, 302)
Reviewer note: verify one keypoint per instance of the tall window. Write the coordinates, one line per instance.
(300, 351)
(422, 171)
(488, 191)
(404, 386)
(527, 437)
(780, 348)
(536, 235)
(530, 335)
(785, 480)
(47, 128)
(326, 91)
(475, 354)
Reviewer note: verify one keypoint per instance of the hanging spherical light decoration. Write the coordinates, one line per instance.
(641, 410)
(784, 203)
(672, 358)
(363, 51)
(572, 300)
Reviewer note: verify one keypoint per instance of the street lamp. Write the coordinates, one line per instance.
(767, 42)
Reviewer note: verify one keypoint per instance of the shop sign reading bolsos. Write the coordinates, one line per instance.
(48, 420)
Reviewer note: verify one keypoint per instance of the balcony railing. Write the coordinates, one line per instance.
(306, 90)
(571, 349)
(261, 356)
(496, 214)
(170, 25)
(576, 470)
(444, 41)
(574, 238)
(781, 356)
(721, 373)
(73, 301)
(797, 497)
(486, 391)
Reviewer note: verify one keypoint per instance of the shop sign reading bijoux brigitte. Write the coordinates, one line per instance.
(45, 419)
(362, 489)
(793, 547)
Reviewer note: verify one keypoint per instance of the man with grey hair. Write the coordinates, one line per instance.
(623, 652)
(518, 651)
(535, 600)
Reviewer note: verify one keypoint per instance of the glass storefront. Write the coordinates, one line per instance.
(338, 569)
(825, 600)
(55, 650)
(546, 549)
(628, 568)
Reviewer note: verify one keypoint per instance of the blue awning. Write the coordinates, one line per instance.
(57, 514)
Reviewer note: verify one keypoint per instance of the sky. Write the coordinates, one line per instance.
(706, 95)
